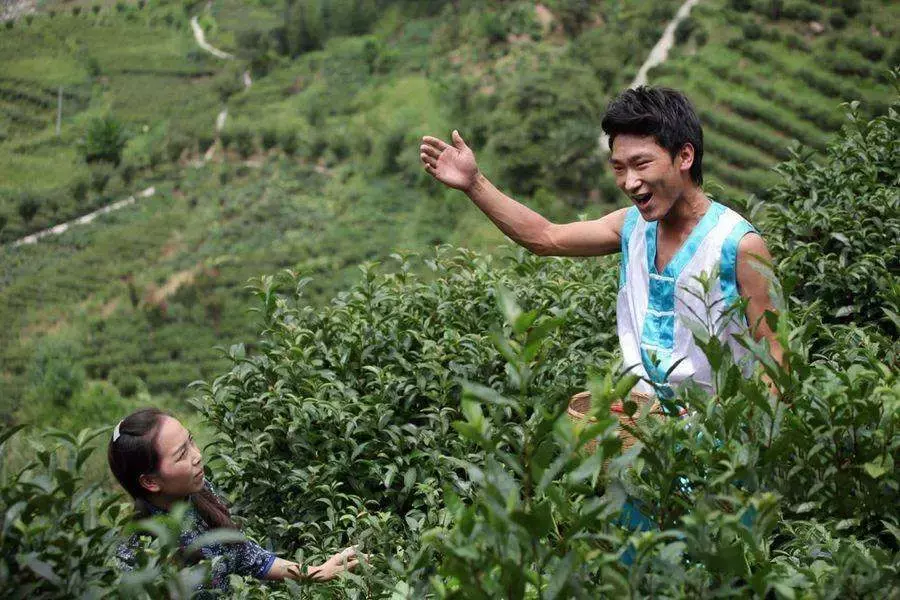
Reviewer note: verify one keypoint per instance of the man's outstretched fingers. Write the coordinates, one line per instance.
(430, 150)
(441, 145)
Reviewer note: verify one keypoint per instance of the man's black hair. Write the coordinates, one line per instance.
(663, 113)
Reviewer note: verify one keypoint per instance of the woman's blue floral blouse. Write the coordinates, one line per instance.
(245, 558)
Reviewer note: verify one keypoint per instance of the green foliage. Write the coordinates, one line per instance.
(835, 225)
(28, 207)
(104, 140)
(60, 533)
(573, 15)
(56, 374)
(544, 126)
(57, 532)
(686, 27)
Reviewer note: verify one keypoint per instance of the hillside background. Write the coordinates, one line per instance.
(316, 167)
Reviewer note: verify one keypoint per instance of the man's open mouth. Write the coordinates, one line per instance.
(642, 199)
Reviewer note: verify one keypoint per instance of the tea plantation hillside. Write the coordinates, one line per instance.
(763, 74)
(315, 169)
(421, 413)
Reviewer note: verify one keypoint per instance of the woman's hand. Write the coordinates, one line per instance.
(344, 560)
(454, 165)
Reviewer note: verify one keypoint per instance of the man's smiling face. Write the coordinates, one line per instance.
(648, 175)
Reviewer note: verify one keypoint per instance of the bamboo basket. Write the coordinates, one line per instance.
(580, 406)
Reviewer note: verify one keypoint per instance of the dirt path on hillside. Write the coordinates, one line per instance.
(200, 38)
(10, 10)
(83, 219)
(201, 41)
(658, 55)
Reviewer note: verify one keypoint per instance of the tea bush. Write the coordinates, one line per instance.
(59, 533)
(834, 225)
(421, 413)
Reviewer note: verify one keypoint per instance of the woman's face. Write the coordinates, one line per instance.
(180, 471)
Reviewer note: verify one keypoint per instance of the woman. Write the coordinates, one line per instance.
(156, 460)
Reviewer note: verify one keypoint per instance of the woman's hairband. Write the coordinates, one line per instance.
(116, 432)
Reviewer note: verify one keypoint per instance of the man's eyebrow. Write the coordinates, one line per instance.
(634, 158)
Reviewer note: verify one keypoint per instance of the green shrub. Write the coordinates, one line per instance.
(244, 142)
(800, 10)
(227, 137)
(269, 138)
(573, 15)
(851, 8)
(55, 374)
(28, 207)
(128, 173)
(62, 532)
(100, 176)
(842, 265)
(752, 30)
(838, 20)
(204, 141)
(288, 142)
(847, 64)
(176, 144)
(80, 190)
(95, 9)
(872, 48)
(685, 28)
(125, 381)
(492, 27)
(76, 10)
(104, 140)
(543, 127)
(228, 83)
(701, 37)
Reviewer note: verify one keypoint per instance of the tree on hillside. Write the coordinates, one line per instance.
(104, 140)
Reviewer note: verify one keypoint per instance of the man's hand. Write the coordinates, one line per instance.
(454, 165)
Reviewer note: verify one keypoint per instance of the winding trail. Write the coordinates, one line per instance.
(657, 56)
(200, 38)
(201, 41)
(83, 219)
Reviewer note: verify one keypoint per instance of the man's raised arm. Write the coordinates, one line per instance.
(454, 166)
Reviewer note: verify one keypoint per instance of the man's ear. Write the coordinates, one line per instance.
(684, 160)
(149, 483)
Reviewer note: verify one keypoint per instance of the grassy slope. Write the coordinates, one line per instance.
(756, 96)
(215, 227)
(352, 192)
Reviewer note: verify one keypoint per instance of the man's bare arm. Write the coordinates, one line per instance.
(754, 286)
(531, 230)
(455, 166)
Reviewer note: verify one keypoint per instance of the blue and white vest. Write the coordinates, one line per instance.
(652, 308)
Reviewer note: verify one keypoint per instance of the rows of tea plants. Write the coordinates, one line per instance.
(755, 72)
(421, 414)
(320, 148)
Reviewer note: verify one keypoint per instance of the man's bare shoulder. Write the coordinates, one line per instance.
(753, 245)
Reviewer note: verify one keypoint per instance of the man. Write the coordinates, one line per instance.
(669, 236)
